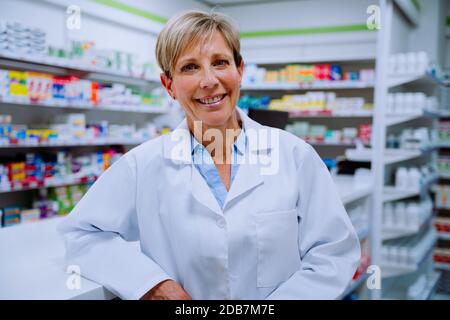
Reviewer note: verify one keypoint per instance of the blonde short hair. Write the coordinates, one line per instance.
(188, 28)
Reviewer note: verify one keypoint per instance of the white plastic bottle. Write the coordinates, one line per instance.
(414, 178)
(388, 213)
(399, 213)
(413, 214)
(401, 178)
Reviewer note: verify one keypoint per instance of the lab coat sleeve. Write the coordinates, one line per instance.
(98, 235)
(328, 244)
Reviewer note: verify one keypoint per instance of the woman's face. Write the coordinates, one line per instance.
(206, 82)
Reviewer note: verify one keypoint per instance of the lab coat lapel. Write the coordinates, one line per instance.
(249, 175)
(201, 191)
(177, 149)
(247, 178)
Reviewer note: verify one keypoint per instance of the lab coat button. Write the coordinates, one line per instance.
(221, 223)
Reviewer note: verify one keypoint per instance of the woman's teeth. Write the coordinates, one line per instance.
(211, 100)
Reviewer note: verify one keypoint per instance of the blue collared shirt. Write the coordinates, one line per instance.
(206, 167)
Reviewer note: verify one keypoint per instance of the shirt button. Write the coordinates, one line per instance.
(221, 223)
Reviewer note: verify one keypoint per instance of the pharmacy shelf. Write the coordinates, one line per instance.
(395, 118)
(398, 232)
(76, 143)
(392, 193)
(354, 285)
(316, 85)
(442, 266)
(424, 79)
(393, 270)
(67, 181)
(67, 66)
(14, 102)
(330, 114)
(348, 190)
(390, 155)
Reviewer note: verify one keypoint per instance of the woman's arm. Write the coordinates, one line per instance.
(328, 244)
(99, 231)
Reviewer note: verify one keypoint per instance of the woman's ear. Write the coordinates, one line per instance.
(241, 69)
(167, 83)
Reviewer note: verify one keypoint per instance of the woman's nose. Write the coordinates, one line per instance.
(209, 79)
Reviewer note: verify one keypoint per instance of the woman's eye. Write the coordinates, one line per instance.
(221, 62)
(189, 67)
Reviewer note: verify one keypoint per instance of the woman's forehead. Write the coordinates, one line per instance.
(213, 42)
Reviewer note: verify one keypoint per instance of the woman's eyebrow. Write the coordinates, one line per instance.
(186, 60)
(221, 55)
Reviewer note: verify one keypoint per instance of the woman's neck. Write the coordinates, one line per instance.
(216, 139)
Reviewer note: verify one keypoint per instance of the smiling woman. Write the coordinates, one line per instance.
(213, 227)
(202, 70)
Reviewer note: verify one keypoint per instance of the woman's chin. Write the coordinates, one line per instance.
(217, 118)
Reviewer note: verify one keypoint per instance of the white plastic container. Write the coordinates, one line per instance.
(414, 178)
(401, 178)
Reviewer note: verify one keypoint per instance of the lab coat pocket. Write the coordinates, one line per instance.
(277, 242)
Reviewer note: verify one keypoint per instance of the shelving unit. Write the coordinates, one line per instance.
(385, 162)
(30, 112)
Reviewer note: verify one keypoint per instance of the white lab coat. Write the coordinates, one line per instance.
(279, 236)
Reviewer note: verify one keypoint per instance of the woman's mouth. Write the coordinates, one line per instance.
(212, 101)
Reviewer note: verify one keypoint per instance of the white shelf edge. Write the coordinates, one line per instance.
(444, 175)
(394, 119)
(61, 183)
(124, 108)
(331, 144)
(442, 266)
(444, 235)
(318, 114)
(402, 79)
(391, 193)
(272, 61)
(329, 85)
(76, 144)
(72, 65)
(390, 155)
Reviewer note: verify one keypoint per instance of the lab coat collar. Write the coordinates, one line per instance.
(177, 144)
(177, 148)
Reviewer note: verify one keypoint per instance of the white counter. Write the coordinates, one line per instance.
(31, 265)
(31, 258)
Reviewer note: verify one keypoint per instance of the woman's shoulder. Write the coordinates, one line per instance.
(291, 141)
(147, 152)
